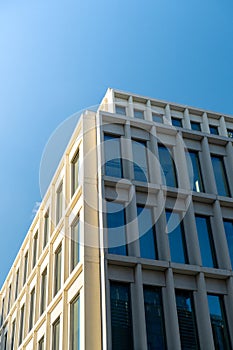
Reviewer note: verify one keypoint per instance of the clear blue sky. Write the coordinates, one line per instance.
(57, 57)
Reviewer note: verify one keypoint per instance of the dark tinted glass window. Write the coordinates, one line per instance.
(140, 160)
(194, 171)
(113, 161)
(218, 322)
(122, 335)
(75, 173)
(187, 320)
(21, 325)
(176, 237)
(32, 309)
(25, 268)
(75, 324)
(206, 243)
(43, 299)
(154, 319)
(176, 122)
(75, 244)
(220, 175)
(56, 335)
(230, 133)
(195, 126)
(167, 166)
(116, 228)
(57, 270)
(228, 225)
(146, 233)
(213, 129)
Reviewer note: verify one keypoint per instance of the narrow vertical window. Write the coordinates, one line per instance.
(59, 203)
(21, 325)
(205, 239)
(32, 308)
(57, 270)
(140, 160)
(56, 335)
(46, 229)
(187, 320)
(155, 329)
(25, 267)
(2, 313)
(121, 319)
(5, 341)
(116, 228)
(175, 230)
(75, 243)
(9, 300)
(41, 344)
(16, 284)
(43, 300)
(228, 226)
(35, 246)
(75, 324)
(220, 176)
(75, 173)
(113, 159)
(146, 233)
(194, 170)
(13, 335)
(219, 322)
(167, 166)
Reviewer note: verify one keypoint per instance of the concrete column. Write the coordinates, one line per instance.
(170, 313)
(167, 119)
(202, 314)
(194, 255)
(229, 165)
(205, 123)
(127, 154)
(130, 108)
(219, 236)
(208, 173)
(148, 114)
(222, 126)
(180, 162)
(153, 158)
(187, 124)
(132, 225)
(161, 234)
(138, 311)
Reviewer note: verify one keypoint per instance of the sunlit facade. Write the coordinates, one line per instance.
(132, 246)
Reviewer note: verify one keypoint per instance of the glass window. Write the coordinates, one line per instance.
(205, 239)
(220, 175)
(5, 341)
(138, 114)
(140, 160)
(167, 166)
(21, 325)
(43, 299)
(57, 270)
(16, 284)
(32, 309)
(25, 268)
(120, 110)
(155, 329)
(75, 173)
(46, 229)
(230, 133)
(228, 226)
(56, 335)
(75, 246)
(113, 159)
(195, 126)
(41, 344)
(218, 322)
(2, 313)
(146, 233)
(157, 118)
(194, 170)
(213, 129)
(35, 244)
(13, 335)
(9, 300)
(187, 320)
(122, 334)
(59, 204)
(176, 122)
(176, 237)
(75, 324)
(116, 228)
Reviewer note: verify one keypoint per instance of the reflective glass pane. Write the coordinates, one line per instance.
(195, 126)
(146, 233)
(176, 122)
(205, 241)
(176, 237)
(138, 114)
(213, 129)
(56, 335)
(120, 110)
(228, 225)
(75, 173)
(75, 324)
(167, 167)
(113, 161)
(116, 228)
(157, 118)
(220, 176)
(194, 171)
(75, 244)
(140, 160)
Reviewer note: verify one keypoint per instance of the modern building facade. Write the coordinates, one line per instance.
(132, 246)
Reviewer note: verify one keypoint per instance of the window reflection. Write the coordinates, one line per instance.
(146, 233)
(205, 241)
(176, 237)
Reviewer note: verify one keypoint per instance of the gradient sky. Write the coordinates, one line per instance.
(57, 57)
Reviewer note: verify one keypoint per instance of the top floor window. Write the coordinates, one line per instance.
(25, 268)
(138, 113)
(230, 133)
(120, 110)
(157, 118)
(167, 166)
(140, 160)
(59, 203)
(176, 122)
(195, 126)
(220, 175)
(75, 173)
(194, 170)
(213, 129)
(46, 229)
(113, 160)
